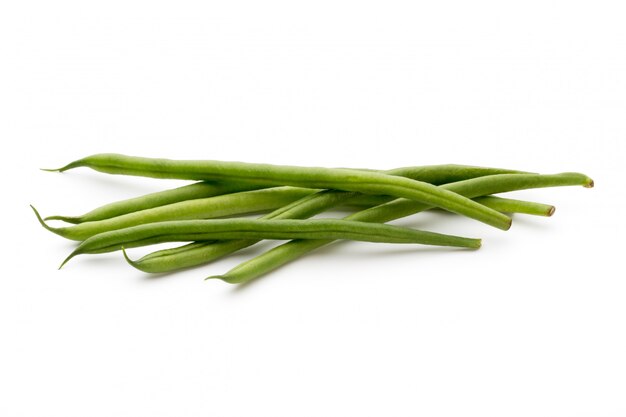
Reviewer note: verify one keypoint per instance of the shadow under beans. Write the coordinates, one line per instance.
(531, 222)
(93, 261)
(246, 286)
(343, 248)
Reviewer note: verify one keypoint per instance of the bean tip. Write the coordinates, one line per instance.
(71, 165)
(42, 222)
(589, 183)
(71, 255)
(550, 211)
(222, 277)
(128, 260)
(66, 219)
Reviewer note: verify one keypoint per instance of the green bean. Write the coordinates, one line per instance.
(201, 252)
(188, 192)
(508, 205)
(396, 209)
(446, 173)
(198, 253)
(190, 230)
(229, 204)
(434, 174)
(503, 205)
(202, 208)
(367, 182)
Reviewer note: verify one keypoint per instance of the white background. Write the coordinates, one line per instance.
(532, 324)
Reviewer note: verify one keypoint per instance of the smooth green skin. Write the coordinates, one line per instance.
(228, 204)
(203, 208)
(434, 174)
(193, 230)
(396, 209)
(509, 205)
(160, 198)
(198, 253)
(367, 182)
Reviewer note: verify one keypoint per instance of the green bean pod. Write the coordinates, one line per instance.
(202, 208)
(198, 253)
(194, 191)
(193, 230)
(367, 182)
(509, 205)
(434, 174)
(396, 209)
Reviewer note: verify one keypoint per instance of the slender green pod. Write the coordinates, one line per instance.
(501, 204)
(198, 253)
(509, 205)
(202, 208)
(367, 182)
(434, 174)
(193, 230)
(194, 191)
(396, 209)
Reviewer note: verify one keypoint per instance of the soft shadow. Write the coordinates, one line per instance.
(405, 250)
(531, 222)
(246, 286)
(92, 261)
(388, 250)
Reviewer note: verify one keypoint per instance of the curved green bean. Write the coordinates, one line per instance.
(367, 182)
(201, 208)
(201, 252)
(509, 205)
(167, 205)
(434, 174)
(198, 253)
(194, 191)
(192, 230)
(396, 209)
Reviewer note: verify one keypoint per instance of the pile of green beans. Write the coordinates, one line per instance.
(205, 214)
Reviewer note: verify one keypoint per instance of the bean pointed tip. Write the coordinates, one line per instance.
(71, 165)
(67, 259)
(66, 219)
(215, 277)
(128, 260)
(42, 221)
